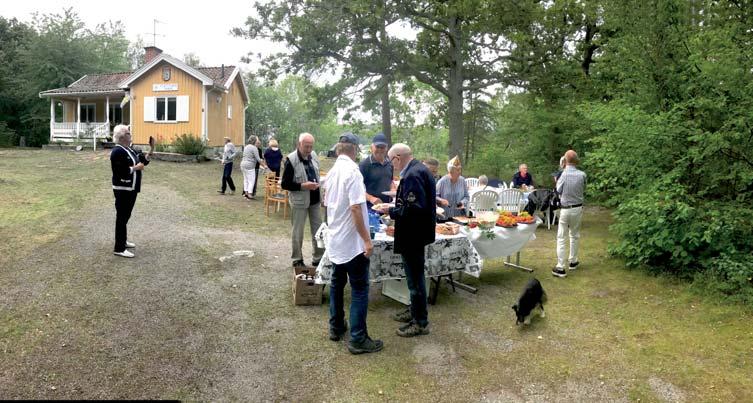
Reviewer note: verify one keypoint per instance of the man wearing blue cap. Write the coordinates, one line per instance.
(377, 172)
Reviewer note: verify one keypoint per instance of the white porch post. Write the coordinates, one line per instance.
(78, 116)
(52, 118)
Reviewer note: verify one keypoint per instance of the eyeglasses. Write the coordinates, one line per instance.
(380, 146)
(393, 158)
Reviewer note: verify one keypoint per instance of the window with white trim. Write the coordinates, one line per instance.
(166, 109)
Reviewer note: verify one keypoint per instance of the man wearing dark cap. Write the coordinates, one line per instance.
(377, 172)
(349, 247)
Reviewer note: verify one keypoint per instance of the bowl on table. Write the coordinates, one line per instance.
(487, 219)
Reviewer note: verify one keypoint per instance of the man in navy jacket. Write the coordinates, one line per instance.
(415, 220)
(127, 165)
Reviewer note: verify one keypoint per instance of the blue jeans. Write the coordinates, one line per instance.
(226, 179)
(357, 269)
(413, 264)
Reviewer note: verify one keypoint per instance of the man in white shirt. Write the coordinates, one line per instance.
(349, 247)
(571, 186)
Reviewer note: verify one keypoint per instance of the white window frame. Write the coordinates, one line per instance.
(165, 100)
(86, 106)
(230, 111)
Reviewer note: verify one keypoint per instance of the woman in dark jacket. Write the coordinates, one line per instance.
(273, 157)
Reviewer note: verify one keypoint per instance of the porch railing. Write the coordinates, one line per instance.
(72, 131)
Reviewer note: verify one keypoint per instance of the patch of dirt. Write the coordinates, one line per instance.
(438, 361)
(501, 396)
(665, 390)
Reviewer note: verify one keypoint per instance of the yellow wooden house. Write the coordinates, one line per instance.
(165, 98)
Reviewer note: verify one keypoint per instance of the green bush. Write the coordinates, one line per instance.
(189, 144)
(730, 275)
(8, 137)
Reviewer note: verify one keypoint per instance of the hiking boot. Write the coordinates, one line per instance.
(558, 272)
(366, 346)
(221, 192)
(412, 329)
(402, 316)
(335, 335)
(298, 264)
(574, 265)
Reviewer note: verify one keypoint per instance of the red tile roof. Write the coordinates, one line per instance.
(102, 83)
(215, 73)
(93, 83)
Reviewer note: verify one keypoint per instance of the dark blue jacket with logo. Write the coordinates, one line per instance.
(122, 160)
(415, 209)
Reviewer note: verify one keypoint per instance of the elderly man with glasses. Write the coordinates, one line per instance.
(415, 218)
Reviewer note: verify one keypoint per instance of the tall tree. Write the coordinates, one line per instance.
(347, 39)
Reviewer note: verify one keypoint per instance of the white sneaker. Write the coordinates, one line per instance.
(130, 244)
(125, 253)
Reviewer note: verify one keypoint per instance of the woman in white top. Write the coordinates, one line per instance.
(248, 167)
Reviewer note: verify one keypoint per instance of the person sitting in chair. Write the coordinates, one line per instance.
(522, 177)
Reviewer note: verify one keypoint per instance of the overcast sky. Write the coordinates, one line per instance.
(199, 27)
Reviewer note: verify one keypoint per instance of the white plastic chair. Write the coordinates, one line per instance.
(471, 182)
(503, 185)
(484, 200)
(509, 200)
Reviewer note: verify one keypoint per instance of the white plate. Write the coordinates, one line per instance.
(380, 205)
(390, 193)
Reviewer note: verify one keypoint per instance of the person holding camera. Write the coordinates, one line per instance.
(127, 165)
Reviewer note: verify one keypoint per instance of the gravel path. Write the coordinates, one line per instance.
(173, 322)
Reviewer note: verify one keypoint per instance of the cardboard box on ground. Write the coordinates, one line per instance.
(305, 291)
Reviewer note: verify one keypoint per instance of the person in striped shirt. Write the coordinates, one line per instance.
(571, 187)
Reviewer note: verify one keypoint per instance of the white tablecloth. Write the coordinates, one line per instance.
(448, 254)
(506, 241)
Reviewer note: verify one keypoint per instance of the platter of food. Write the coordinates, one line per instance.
(506, 220)
(461, 220)
(447, 228)
(524, 218)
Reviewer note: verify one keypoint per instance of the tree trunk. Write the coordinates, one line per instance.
(455, 88)
(386, 119)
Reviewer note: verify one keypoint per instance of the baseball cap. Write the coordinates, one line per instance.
(380, 139)
(348, 137)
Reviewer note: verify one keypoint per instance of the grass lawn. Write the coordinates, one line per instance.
(176, 322)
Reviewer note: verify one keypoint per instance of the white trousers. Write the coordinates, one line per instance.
(249, 178)
(569, 226)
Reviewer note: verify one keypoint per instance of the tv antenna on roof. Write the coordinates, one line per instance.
(154, 33)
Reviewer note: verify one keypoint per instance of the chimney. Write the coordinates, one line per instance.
(222, 72)
(150, 52)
